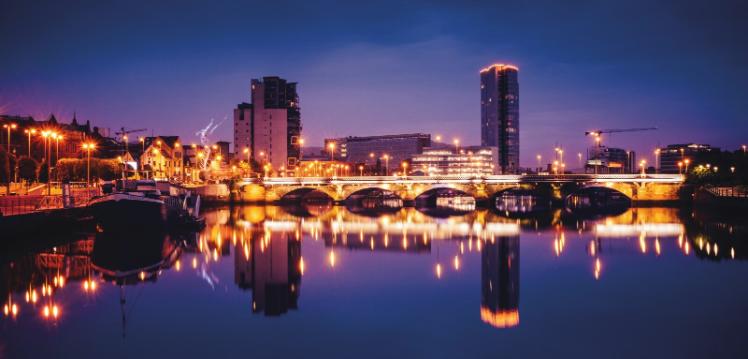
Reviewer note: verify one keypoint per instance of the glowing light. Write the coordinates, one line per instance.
(438, 270)
(302, 266)
(331, 259)
(178, 265)
(500, 319)
(194, 262)
(657, 246)
(456, 263)
(598, 268)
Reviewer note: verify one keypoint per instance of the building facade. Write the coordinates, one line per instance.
(470, 161)
(270, 126)
(373, 150)
(499, 110)
(163, 157)
(672, 154)
(602, 159)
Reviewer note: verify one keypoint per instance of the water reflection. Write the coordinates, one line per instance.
(266, 244)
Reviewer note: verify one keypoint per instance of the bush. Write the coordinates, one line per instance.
(74, 169)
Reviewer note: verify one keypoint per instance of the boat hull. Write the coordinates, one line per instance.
(120, 210)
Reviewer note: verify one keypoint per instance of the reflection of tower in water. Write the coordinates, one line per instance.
(500, 282)
(268, 264)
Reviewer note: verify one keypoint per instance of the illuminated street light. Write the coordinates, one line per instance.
(539, 157)
(88, 147)
(9, 127)
(643, 164)
(657, 160)
(456, 142)
(331, 147)
(30, 132)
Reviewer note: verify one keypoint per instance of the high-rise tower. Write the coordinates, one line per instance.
(270, 126)
(499, 112)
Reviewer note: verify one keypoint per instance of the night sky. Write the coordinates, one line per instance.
(382, 67)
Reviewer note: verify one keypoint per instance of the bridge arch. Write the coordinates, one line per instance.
(597, 197)
(373, 199)
(428, 197)
(306, 194)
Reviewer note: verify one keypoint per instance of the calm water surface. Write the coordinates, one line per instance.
(274, 282)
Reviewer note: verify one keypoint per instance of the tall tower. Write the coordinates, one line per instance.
(270, 126)
(499, 113)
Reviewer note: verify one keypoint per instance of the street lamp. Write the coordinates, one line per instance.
(331, 146)
(579, 154)
(643, 164)
(744, 148)
(30, 132)
(456, 142)
(9, 126)
(438, 138)
(686, 162)
(405, 168)
(88, 147)
(361, 170)
(142, 143)
(301, 149)
(386, 158)
(58, 137)
(540, 166)
(680, 167)
(732, 169)
(657, 160)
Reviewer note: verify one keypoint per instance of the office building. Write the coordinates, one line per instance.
(371, 150)
(270, 126)
(470, 161)
(672, 154)
(499, 111)
(602, 159)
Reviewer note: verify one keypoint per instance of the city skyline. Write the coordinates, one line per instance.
(687, 85)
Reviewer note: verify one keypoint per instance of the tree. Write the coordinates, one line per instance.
(28, 169)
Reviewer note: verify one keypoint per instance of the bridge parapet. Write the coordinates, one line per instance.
(650, 187)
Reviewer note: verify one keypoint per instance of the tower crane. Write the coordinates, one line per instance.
(598, 133)
(123, 135)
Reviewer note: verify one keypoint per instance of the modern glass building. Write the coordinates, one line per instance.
(370, 150)
(499, 111)
(672, 154)
(470, 161)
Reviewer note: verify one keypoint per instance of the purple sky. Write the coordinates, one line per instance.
(387, 67)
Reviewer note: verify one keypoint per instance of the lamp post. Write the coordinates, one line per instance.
(301, 149)
(361, 170)
(687, 161)
(386, 164)
(657, 160)
(642, 165)
(331, 147)
(540, 158)
(9, 127)
(405, 168)
(142, 143)
(680, 167)
(30, 132)
(88, 147)
(58, 137)
(456, 142)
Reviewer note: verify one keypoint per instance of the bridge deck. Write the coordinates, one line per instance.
(497, 179)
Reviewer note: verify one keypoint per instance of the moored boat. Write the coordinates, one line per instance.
(132, 204)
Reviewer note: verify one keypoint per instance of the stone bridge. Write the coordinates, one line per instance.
(651, 187)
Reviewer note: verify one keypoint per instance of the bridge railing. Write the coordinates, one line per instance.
(673, 178)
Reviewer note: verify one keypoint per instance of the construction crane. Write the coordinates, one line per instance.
(123, 134)
(598, 133)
